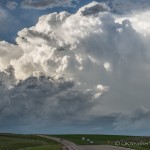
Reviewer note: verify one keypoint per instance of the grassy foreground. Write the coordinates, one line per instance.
(33, 142)
(135, 142)
(26, 142)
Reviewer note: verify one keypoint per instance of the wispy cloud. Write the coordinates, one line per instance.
(11, 4)
(43, 4)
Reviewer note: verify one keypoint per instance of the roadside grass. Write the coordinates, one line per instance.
(34, 142)
(135, 142)
(26, 142)
(46, 147)
(97, 139)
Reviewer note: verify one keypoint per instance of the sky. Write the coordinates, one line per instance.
(75, 66)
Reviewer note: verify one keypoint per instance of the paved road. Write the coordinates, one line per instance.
(67, 144)
(72, 146)
(103, 147)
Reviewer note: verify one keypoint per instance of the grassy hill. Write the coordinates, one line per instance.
(26, 142)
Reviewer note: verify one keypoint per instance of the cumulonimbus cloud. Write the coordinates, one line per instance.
(89, 49)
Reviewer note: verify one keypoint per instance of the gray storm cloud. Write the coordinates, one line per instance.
(129, 6)
(140, 118)
(43, 4)
(67, 62)
(42, 99)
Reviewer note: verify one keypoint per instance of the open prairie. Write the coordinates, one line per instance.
(134, 142)
(26, 142)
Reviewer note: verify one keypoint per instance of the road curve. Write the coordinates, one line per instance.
(71, 146)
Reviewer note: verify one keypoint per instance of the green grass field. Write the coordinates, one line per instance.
(26, 142)
(135, 142)
(33, 142)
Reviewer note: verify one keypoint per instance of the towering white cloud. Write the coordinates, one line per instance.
(8, 53)
(89, 49)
